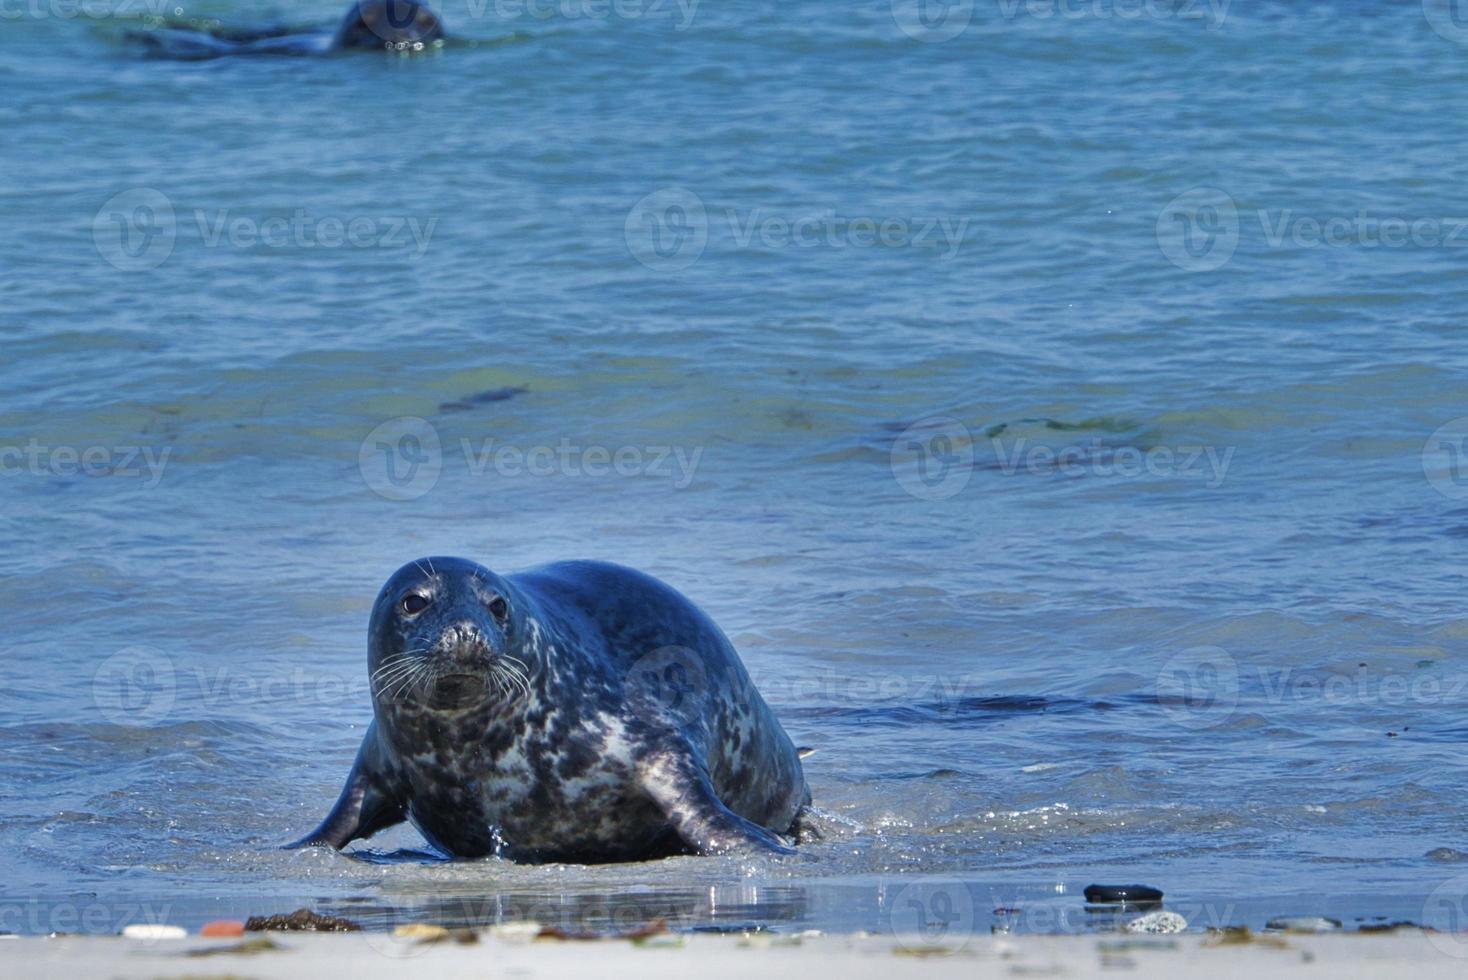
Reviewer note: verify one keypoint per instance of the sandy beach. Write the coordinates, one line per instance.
(365, 956)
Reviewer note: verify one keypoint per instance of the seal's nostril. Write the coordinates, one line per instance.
(463, 640)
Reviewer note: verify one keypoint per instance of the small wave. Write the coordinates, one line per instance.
(944, 711)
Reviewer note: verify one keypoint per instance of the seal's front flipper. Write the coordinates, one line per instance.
(683, 792)
(366, 805)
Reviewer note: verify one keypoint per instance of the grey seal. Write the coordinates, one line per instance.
(392, 25)
(577, 712)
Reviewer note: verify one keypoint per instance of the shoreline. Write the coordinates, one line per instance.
(503, 951)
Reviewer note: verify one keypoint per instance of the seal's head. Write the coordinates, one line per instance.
(443, 638)
(398, 25)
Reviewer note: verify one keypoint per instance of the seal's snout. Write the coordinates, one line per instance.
(464, 642)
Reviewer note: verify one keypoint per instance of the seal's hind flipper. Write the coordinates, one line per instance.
(681, 789)
(366, 804)
(805, 751)
(805, 830)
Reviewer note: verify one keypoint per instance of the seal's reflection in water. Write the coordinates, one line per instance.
(738, 907)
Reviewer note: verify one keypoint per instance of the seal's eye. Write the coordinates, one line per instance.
(499, 608)
(413, 604)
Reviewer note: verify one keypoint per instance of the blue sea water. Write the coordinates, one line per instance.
(1058, 404)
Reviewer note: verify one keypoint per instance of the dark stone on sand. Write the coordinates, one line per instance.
(301, 920)
(1123, 895)
(1387, 926)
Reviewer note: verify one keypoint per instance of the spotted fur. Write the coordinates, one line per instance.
(576, 712)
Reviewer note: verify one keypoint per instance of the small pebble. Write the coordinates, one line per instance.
(515, 932)
(150, 933)
(223, 929)
(1302, 923)
(1158, 922)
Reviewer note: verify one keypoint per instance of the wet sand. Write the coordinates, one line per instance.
(364, 956)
